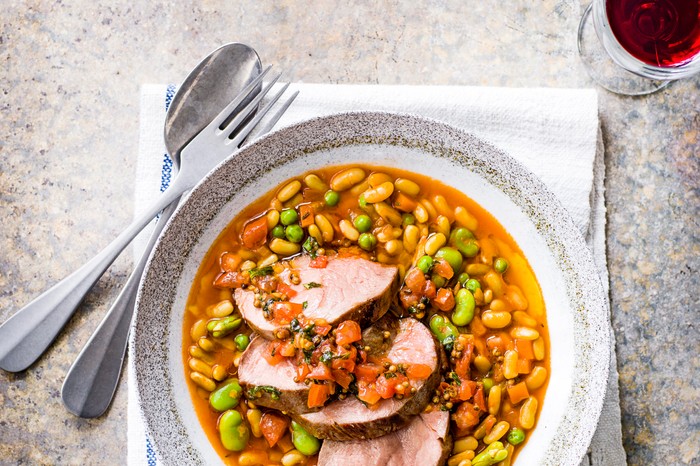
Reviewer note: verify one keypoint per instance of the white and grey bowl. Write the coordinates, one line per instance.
(574, 298)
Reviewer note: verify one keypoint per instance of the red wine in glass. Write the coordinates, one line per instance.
(663, 33)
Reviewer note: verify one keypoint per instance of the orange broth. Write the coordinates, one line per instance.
(204, 294)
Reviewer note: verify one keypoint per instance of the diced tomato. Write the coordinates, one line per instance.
(320, 372)
(273, 426)
(463, 364)
(418, 371)
(322, 329)
(366, 392)
(445, 300)
(229, 262)
(286, 289)
(232, 280)
(306, 214)
(348, 332)
(466, 390)
(272, 355)
(429, 289)
(524, 349)
(343, 377)
(344, 359)
(368, 372)
(415, 280)
(466, 416)
(284, 311)
(408, 299)
(495, 341)
(443, 268)
(255, 233)
(518, 392)
(318, 394)
(320, 262)
(303, 370)
(404, 203)
(479, 399)
(287, 349)
(386, 387)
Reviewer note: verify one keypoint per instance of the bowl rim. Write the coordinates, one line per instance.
(589, 302)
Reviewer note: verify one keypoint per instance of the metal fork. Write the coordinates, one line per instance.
(26, 335)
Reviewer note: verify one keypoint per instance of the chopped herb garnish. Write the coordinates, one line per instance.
(304, 305)
(295, 326)
(326, 357)
(454, 378)
(448, 343)
(389, 375)
(261, 272)
(255, 392)
(311, 246)
(310, 285)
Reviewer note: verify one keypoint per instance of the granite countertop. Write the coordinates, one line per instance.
(69, 129)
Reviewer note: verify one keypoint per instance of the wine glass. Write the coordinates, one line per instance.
(636, 47)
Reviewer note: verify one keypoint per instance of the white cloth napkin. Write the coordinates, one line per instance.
(553, 132)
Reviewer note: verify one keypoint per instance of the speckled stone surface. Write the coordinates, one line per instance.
(70, 81)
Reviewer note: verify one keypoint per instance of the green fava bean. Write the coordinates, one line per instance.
(463, 277)
(452, 256)
(227, 396)
(464, 307)
(493, 454)
(234, 433)
(303, 441)
(442, 328)
(222, 327)
(241, 341)
(463, 240)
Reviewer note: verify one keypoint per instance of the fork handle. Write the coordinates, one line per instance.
(25, 336)
(92, 379)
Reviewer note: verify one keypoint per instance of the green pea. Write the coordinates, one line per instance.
(289, 216)
(363, 223)
(464, 241)
(500, 264)
(463, 277)
(472, 285)
(488, 383)
(425, 263)
(241, 341)
(234, 433)
(367, 241)
(226, 396)
(278, 231)
(452, 256)
(408, 219)
(516, 436)
(464, 307)
(439, 280)
(332, 198)
(442, 328)
(294, 233)
(303, 441)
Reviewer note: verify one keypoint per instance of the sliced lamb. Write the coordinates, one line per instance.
(347, 288)
(425, 441)
(255, 373)
(410, 342)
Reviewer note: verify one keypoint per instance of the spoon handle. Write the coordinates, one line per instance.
(25, 336)
(92, 379)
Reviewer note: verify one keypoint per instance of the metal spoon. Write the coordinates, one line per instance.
(208, 88)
